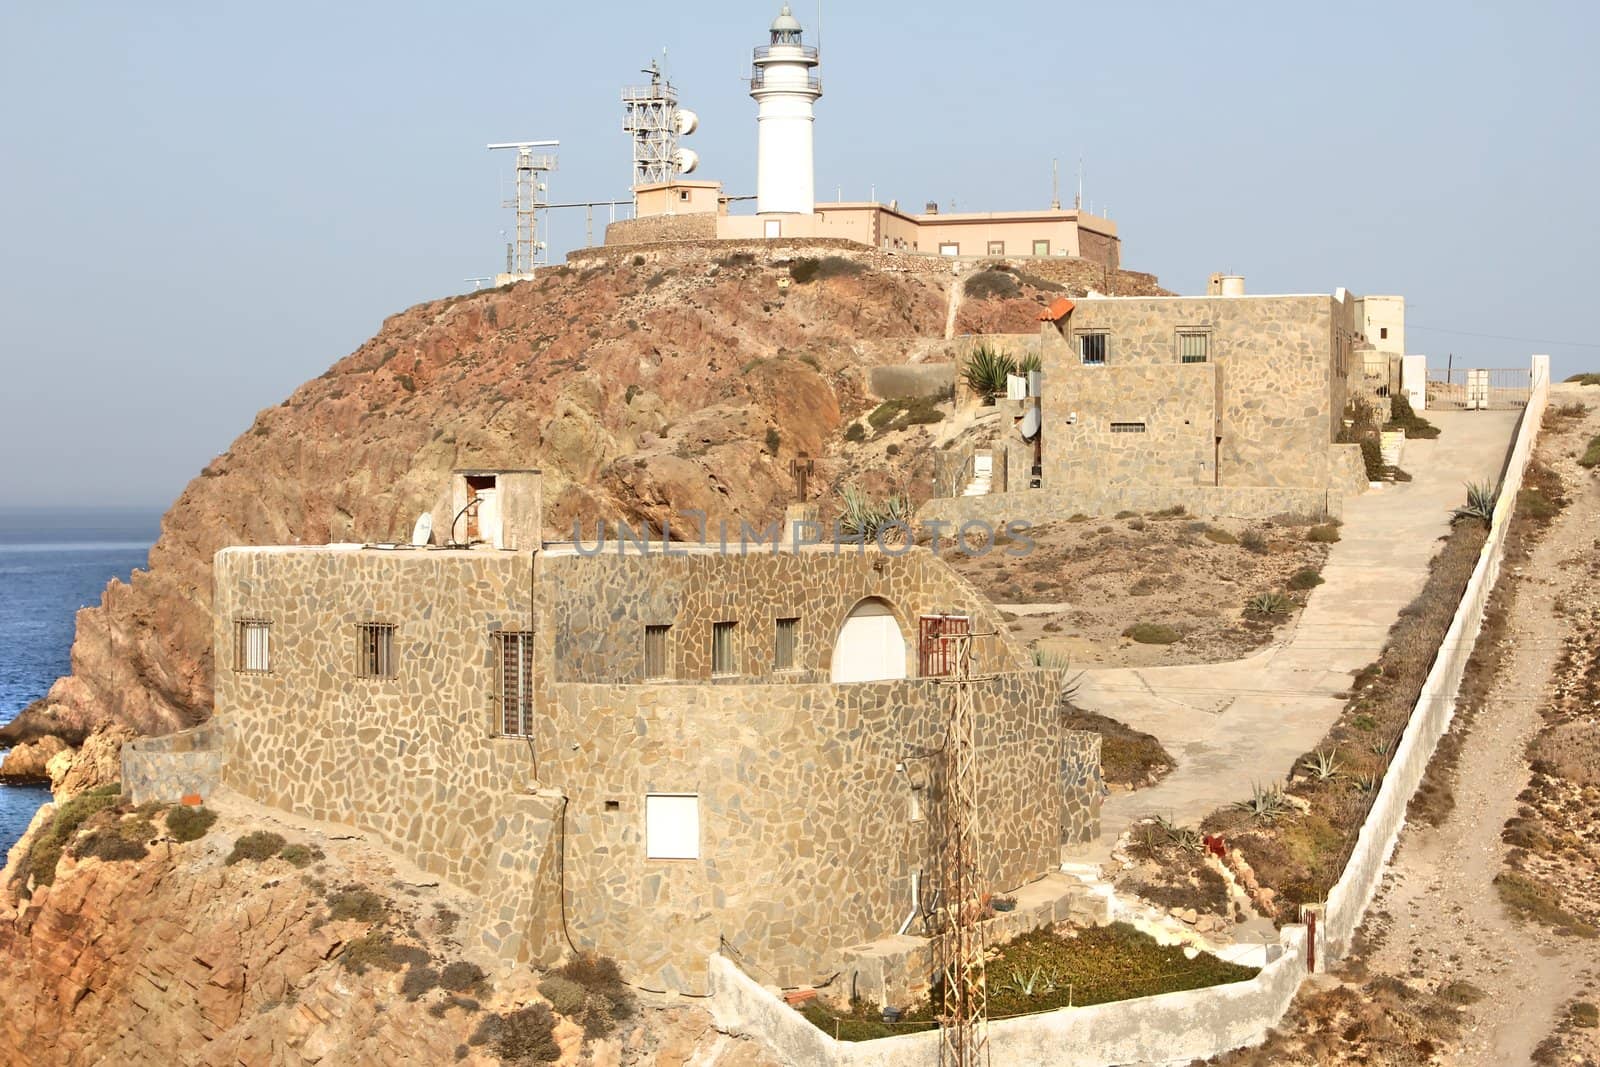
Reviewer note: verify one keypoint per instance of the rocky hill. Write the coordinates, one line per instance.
(639, 384)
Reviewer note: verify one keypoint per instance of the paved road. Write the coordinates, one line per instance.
(1233, 724)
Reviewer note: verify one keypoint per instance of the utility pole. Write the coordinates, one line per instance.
(964, 1008)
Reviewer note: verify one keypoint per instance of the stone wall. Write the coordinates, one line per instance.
(168, 768)
(805, 788)
(1099, 248)
(1083, 787)
(658, 228)
(1039, 506)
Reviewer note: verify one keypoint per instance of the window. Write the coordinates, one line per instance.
(772, 228)
(1092, 348)
(949, 248)
(1041, 248)
(1127, 427)
(1193, 346)
(683, 194)
(1383, 333)
(375, 650)
(252, 646)
(787, 639)
(936, 654)
(516, 684)
(723, 660)
(672, 826)
(656, 664)
(997, 248)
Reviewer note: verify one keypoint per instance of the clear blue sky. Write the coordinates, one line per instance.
(202, 205)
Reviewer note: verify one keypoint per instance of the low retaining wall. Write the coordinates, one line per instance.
(168, 768)
(1039, 506)
(1179, 1027)
(1347, 902)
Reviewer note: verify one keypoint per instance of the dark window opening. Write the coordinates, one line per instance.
(375, 650)
(516, 684)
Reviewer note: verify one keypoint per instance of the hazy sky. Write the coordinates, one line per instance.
(204, 204)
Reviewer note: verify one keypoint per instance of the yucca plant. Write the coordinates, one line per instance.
(1273, 603)
(986, 371)
(1030, 362)
(864, 517)
(1186, 838)
(1265, 805)
(1322, 765)
(1480, 503)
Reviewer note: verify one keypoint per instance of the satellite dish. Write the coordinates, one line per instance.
(688, 121)
(422, 532)
(687, 159)
(1030, 424)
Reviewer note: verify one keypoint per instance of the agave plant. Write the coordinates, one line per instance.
(986, 371)
(1480, 503)
(1030, 362)
(1265, 805)
(1273, 603)
(864, 517)
(1322, 765)
(1186, 838)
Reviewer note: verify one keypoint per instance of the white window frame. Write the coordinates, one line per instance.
(672, 826)
(1105, 348)
(252, 646)
(1204, 337)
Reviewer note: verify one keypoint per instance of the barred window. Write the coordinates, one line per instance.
(936, 653)
(375, 650)
(656, 663)
(723, 660)
(1127, 427)
(1193, 347)
(786, 643)
(252, 646)
(516, 683)
(1092, 348)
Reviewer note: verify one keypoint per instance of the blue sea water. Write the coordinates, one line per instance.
(51, 564)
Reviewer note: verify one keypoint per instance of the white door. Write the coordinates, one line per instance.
(489, 517)
(949, 248)
(870, 647)
(773, 228)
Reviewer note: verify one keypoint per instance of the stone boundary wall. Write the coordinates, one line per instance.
(168, 768)
(1039, 506)
(655, 229)
(1347, 902)
(1083, 787)
(1172, 1027)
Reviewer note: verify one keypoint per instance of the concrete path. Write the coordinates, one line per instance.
(1230, 725)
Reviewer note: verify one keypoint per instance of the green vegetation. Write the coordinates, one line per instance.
(1128, 757)
(986, 370)
(1270, 603)
(1265, 805)
(45, 852)
(298, 855)
(589, 990)
(1029, 363)
(807, 270)
(1591, 455)
(1480, 503)
(856, 433)
(379, 949)
(903, 412)
(356, 905)
(1326, 534)
(1583, 1013)
(257, 845)
(1305, 578)
(1403, 417)
(1589, 378)
(523, 1036)
(991, 285)
(117, 839)
(1153, 633)
(189, 824)
(1054, 968)
(864, 517)
(1533, 901)
(1254, 540)
(1322, 764)
(774, 440)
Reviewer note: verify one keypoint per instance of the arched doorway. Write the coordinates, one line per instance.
(871, 646)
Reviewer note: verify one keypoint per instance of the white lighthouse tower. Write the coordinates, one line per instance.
(785, 86)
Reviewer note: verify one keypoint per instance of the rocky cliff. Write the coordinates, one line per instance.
(638, 385)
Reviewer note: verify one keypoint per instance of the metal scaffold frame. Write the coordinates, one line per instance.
(529, 251)
(960, 947)
(652, 119)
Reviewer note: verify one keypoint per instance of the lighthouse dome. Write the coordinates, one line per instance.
(786, 22)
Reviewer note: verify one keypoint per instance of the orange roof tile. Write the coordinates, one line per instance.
(1059, 309)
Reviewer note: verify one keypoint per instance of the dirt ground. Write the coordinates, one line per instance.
(1446, 972)
(1085, 582)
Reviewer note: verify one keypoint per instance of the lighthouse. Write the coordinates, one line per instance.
(785, 86)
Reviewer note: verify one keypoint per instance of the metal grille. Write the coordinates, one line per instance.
(1193, 347)
(1479, 389)
(722, 657)
(656, 664)
(516, 684)
(1092, 347)
(1127, 427)
(252, 646)
(786, 642)
(935, 650)
(375, 650)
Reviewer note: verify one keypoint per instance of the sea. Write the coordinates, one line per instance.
(51, 564)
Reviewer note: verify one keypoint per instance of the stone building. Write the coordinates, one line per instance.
(1228, 405)
(640, 749)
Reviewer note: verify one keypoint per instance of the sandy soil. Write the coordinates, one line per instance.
(1086, 582)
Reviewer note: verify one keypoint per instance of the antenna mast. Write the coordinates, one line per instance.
(656, 122)
(1055, 185)
(529, 252)
(1078, 203)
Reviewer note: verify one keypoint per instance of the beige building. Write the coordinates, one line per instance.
(685, 210)
(644, 751)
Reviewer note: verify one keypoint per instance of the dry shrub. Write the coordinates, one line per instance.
(189, 824)
(1571, 751)
(257, 845)
(1128, 757)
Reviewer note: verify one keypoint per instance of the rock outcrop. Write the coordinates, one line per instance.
(30, 761)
